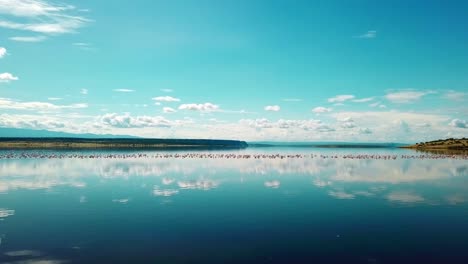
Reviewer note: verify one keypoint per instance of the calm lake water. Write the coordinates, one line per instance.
(309, 209)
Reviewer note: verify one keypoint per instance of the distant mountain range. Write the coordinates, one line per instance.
(31, 133)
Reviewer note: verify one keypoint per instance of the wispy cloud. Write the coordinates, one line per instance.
(128, 121)
(406, 96)
(365, 131)
(54, 98)
(340, 98)
(28, 39)
(81, 44)
(363, 100)
(167, 90)
(84, 91)
(124, 90)
(273, 108)
(378, 104)
(6, 103)
(7, 77)
(168, 110)
(321, 109)
(455, 95)
(84, 46)
(40, 16)
(206, 107)
(368, 35)
(287, 124)
(166, 99)
(3, 52)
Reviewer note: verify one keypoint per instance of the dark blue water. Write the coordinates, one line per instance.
(203, 210)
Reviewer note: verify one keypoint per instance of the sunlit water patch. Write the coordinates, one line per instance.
(252, 207)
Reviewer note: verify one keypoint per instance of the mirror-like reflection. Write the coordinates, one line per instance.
(173, 175)
(179, 209)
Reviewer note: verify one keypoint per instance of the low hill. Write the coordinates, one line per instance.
(441, 144)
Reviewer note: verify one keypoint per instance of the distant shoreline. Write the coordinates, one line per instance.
(325, 145)
(118, 143)
(168, 144)
(163, 144)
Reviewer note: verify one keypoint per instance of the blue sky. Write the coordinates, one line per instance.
(253, 70)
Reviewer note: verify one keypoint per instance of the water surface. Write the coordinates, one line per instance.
(317, 207)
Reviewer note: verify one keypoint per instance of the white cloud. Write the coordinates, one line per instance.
(405, 96)
(81, 44)
(347, 122)
(7, 77)
(84, 91)
(30, 122)
(3, 52)
(459, 123)
(166, 99)
(365, 131)
(40, 16)
(348, 125)
(396, 126)
(274, 108)
(30, 8)
(168, 110)
(257, 123)
(6, 103)
(167, 90)
(206, 107)
(320, 109)
(346, 119)
(28, 39)
(340, 98)
(455, 96)
(378, 104)
(124, 90)
(54, 98)
(368, 35)
(363, 100)
(128, 121)
(404, 126)
(288, 125)
(84, 46)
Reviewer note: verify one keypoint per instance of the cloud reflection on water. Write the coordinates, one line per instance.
(4, 213)
(338, 177)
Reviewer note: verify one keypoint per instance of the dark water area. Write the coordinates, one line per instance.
(310, 206)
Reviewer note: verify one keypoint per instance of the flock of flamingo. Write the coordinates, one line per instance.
(39, 155)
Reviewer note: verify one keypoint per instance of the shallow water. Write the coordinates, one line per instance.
(312, 208)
